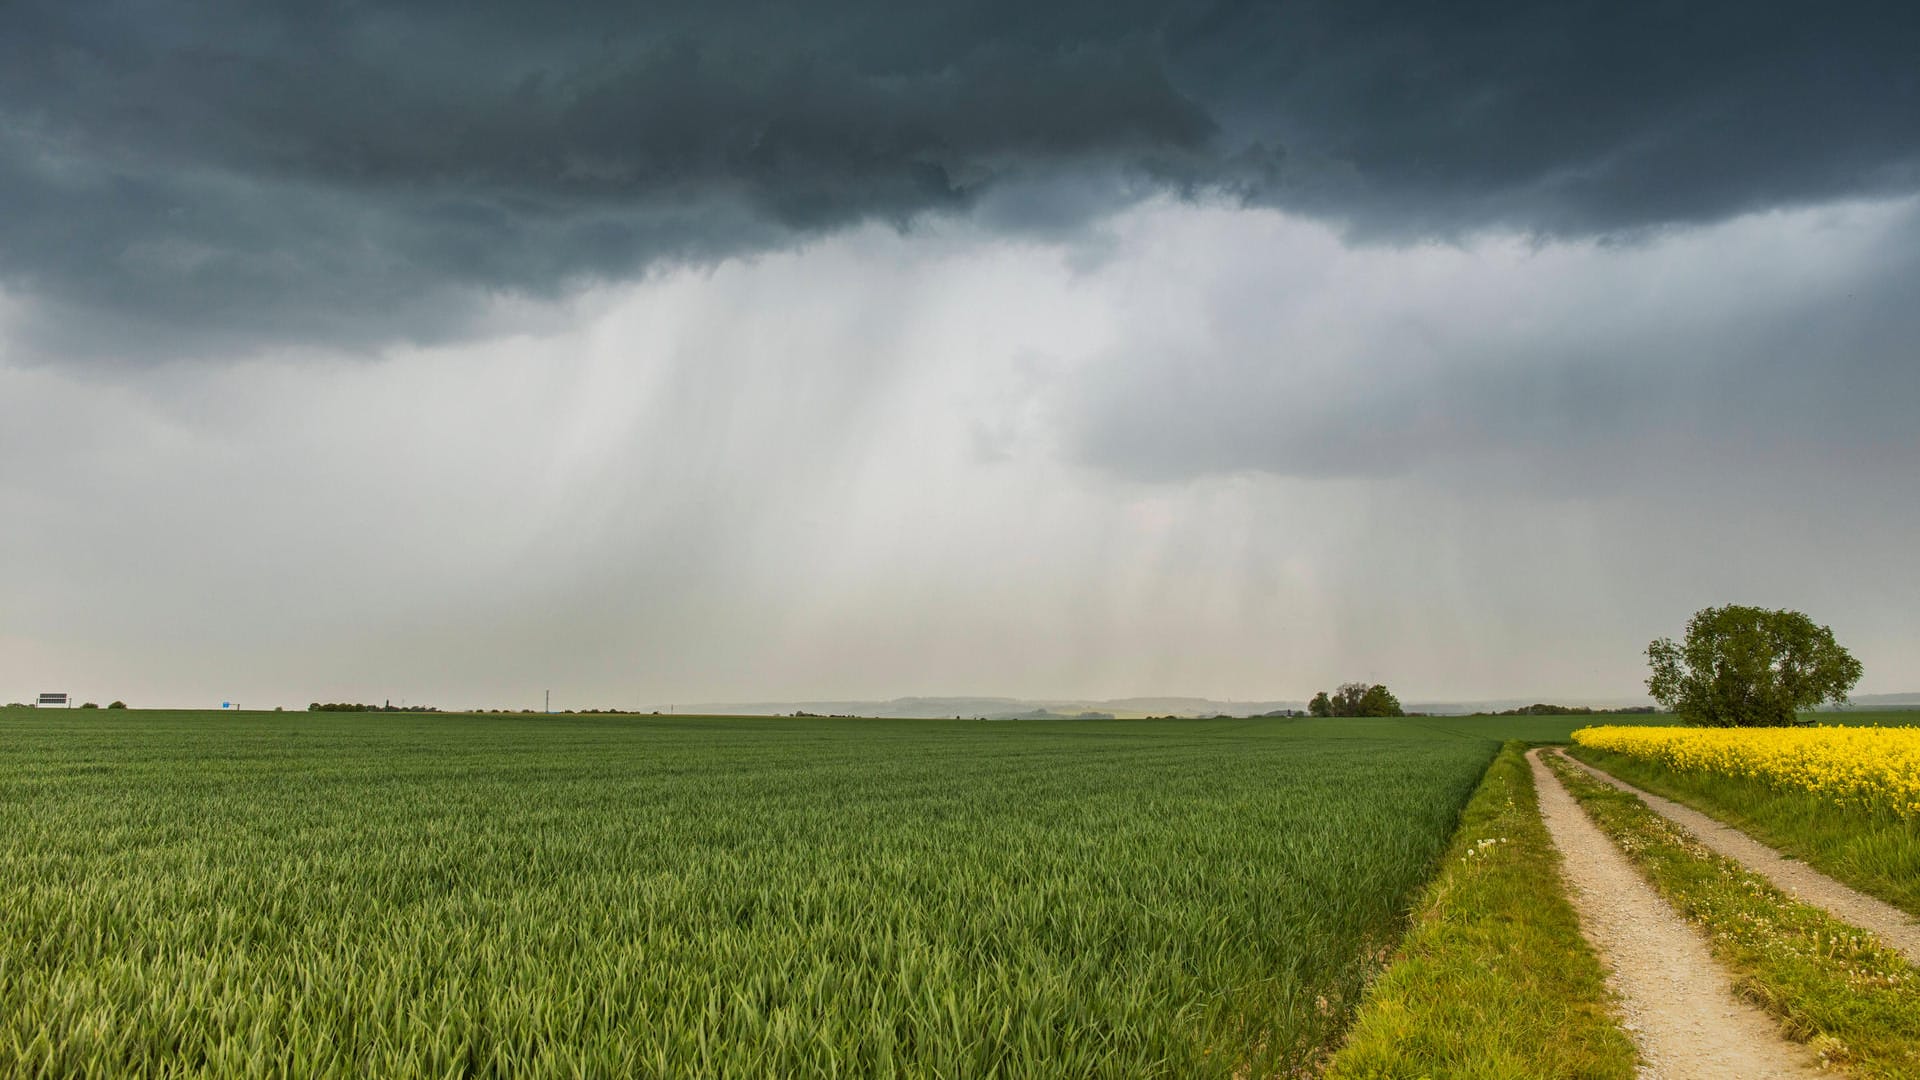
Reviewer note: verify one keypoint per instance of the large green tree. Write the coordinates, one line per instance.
(1749, 667)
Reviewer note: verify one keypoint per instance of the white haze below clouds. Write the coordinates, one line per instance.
(1210, 451)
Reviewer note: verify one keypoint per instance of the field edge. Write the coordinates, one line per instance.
(1875, 854)
(1830, 984)
(1493, 978)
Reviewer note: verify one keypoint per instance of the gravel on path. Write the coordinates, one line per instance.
(1679, 1004)
(1895, 928)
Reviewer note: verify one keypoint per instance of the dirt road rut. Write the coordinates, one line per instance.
(1680, 1006)
(1895, 928)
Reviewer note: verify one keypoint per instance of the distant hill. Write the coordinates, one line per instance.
(998, 708)
(1885, 701)
(1010, 708)
(1006, 708)
(1464, 708)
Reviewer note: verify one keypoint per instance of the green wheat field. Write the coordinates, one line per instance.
(303, 894)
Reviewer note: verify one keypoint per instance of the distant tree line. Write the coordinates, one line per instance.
(348, 706)
(1356, 699)
(1538, 709)
(561, 712)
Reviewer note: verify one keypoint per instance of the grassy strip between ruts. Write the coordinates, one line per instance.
(1878, 854)
(1493, 980)
(1832, 985)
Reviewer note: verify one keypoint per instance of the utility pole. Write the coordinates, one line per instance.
(549, 701)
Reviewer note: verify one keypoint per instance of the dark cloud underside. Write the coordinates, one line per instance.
(1749, 355)
(195, 177)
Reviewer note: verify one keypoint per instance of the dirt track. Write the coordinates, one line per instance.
(1679, 1005)
(1895, 928)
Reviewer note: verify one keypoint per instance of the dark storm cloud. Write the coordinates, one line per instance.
(1752, 351)
(211, 177)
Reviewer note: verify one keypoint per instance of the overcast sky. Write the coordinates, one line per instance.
(682, 352)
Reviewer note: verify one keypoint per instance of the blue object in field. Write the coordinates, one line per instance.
(226, 705)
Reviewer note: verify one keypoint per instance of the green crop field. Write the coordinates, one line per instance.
(301, 894)
(1865, 717)
(1533, 729)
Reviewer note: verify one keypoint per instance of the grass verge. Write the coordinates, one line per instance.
(1494, 979)
(1878, 854)
(1833, 986)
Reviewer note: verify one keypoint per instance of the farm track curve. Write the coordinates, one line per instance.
(1895, 928)
(1679, 1004)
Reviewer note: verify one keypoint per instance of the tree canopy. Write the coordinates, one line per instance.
(1749, 667)
(1356, 699)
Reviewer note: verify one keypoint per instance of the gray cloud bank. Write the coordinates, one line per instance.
(195, 178)
(1745, 356)
(1236, 458)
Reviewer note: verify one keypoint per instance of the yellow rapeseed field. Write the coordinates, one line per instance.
(1870, 768)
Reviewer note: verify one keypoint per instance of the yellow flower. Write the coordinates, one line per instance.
(1868, 768)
